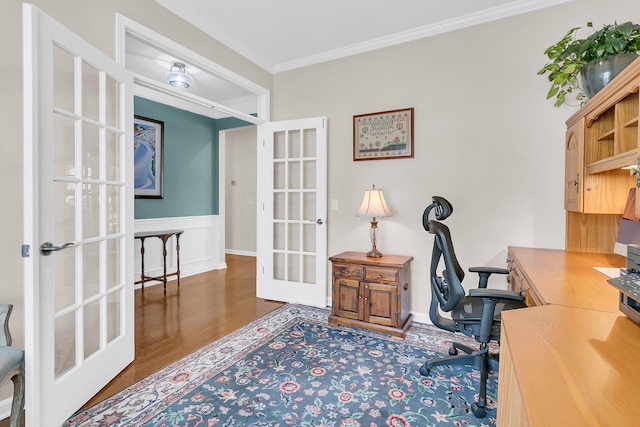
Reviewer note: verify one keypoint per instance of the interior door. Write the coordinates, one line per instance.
(78, 219)
(292, 211)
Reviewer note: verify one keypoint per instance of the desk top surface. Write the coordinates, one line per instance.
(568, 278)
(577, 366)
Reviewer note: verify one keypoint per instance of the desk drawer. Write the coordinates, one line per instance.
(381, 274)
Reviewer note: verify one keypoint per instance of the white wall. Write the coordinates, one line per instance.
(240, 189)
(485, 136)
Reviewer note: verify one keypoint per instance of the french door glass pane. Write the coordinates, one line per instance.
(113, 208)
(90, 92)
(309, 268)
(112, 102)
(64, 153)
(64, 265)
(90, 269)
(114, 303)
(65, 343)
(112, 154)
(91, 327)
(278, 266)
(114, 253)
(279, 147)
(90, 151)
(309, 146)
(63, 78)
(294, 237)
(90, 210)
(294, 144)
(64, 194)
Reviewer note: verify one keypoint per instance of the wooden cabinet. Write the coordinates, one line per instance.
(371, 293)
(601, 140)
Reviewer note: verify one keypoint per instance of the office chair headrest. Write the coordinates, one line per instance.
(442, 210)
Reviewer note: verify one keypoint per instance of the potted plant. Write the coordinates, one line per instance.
(614, 46)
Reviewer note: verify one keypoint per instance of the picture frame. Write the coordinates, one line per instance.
(383, 135)
(148, 136)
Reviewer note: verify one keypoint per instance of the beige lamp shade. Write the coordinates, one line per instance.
(373, 204)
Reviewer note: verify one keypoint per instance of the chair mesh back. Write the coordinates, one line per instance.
(446, 288)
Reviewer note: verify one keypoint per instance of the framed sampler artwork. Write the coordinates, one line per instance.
(383, 135)
(148, 136)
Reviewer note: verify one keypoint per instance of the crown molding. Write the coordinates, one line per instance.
(465, 21)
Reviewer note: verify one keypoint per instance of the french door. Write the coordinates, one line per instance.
(78, 219)
(292, 211)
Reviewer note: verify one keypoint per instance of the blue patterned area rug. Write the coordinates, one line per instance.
(290, 368)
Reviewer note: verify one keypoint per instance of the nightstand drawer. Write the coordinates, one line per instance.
(347, 271)
(381, 274)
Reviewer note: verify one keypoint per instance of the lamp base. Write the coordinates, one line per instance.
(374, 253)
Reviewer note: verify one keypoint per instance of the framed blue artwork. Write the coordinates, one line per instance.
(148, 136)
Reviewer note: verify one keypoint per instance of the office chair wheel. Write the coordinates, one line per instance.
(478, 411)
(424, 371)
(453, 351)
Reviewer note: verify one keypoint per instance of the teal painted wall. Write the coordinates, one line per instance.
(191, 162)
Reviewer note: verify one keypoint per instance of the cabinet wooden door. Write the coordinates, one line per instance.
(574, 144)
(379, 303)
(347, 298)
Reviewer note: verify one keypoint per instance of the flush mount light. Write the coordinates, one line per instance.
(178, 77)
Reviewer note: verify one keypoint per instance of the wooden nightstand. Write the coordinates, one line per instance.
(371, 293)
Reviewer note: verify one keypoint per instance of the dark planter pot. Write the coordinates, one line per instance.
(598, 73)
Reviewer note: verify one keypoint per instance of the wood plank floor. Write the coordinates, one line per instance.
(170, 326)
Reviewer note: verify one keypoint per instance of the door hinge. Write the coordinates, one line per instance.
(26, 251)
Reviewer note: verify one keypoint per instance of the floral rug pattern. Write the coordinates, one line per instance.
(290, 368)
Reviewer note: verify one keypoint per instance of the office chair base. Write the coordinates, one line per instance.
(481, 359)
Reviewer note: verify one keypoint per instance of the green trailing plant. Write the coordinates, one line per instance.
(570, 54)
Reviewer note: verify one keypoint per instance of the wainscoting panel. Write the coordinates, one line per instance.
(201, 248)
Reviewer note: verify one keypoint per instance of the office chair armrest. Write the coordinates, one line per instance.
(485, 272)
(495, 293)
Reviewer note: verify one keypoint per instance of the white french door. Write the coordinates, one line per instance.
(78, 219)
(292, 211)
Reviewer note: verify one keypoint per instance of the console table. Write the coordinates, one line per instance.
(164, 236)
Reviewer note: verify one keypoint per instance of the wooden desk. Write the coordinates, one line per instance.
(163, 236)
(567, 278)
(573, 359)
(567, 366)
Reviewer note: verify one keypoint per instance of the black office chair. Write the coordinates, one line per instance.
(476, 314)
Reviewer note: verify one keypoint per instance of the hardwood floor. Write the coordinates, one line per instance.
(170, 326)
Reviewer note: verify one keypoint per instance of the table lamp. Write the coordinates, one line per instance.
(373, 206)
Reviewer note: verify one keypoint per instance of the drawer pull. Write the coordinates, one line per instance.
(380, 276)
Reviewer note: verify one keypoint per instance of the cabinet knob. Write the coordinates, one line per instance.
(406, 286)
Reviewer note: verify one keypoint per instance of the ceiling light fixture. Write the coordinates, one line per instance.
(178, 77)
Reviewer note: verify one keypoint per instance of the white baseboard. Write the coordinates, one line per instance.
(235, 252)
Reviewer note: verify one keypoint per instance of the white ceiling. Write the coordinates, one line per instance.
(280, 35)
